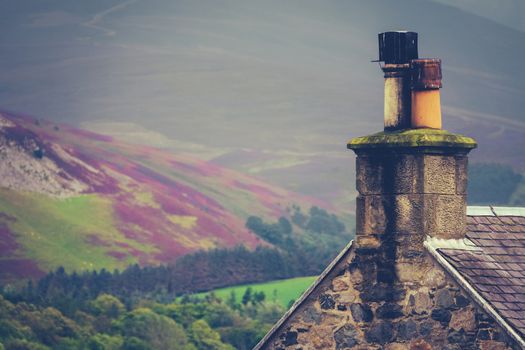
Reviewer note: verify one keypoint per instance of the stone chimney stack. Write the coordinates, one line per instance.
(412, 177)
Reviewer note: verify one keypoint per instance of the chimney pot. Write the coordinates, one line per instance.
(425, 83)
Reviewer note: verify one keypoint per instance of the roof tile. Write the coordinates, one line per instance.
(516, 228)
(484, 220)
(519, 220)
(493, 219)
(497, 228)
(513, 306)
(499, 306)
(507, 220)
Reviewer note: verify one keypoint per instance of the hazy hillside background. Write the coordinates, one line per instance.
(510, 13)
(272, 88)
(85, 201)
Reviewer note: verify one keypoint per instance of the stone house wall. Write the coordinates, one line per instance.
(345, 312)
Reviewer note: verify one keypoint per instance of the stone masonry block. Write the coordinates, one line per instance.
(370, 213)
(409, 246)
(406, 213)
(369, 175)
(385, 214)
(401, 174)
(445, 216)
(439, 174)
(368, 241)
(461, 174)
(387, 174)
(360, 208)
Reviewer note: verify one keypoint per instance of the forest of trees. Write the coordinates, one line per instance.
(321, 236)
(105, 323)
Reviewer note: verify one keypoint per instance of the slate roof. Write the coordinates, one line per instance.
(493, 262)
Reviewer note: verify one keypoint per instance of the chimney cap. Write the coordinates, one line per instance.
(420, 140)
(397, 47)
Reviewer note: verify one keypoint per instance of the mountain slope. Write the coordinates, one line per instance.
(75, 198)
(285, 82)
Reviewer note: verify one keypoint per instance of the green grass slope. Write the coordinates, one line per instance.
(282, 292)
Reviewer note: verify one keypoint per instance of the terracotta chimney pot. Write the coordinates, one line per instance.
(426, 101)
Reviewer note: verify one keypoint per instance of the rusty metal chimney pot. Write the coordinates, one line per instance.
(426, 74)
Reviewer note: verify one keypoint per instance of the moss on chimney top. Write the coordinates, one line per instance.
(412, 138)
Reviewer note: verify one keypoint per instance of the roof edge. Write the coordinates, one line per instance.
(492, 210)
(508, 211)
(479, 210)
(485, 305)
(303, 297)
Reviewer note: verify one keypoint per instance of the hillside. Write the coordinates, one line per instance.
(271, 88)
(505, 12)
(75, 198)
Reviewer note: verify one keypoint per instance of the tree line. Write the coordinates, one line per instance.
(291, 254)
(495, 184)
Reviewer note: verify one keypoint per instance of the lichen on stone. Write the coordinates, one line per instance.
(412, 138)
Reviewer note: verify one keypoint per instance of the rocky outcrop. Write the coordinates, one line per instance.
(28, 163)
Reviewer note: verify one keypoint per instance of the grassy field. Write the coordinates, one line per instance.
(54, 231)
(282, 291)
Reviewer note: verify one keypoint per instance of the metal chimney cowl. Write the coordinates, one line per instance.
(397, 47)
(396, 50)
